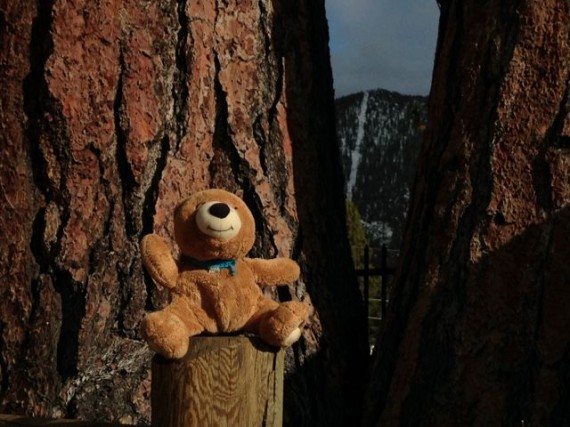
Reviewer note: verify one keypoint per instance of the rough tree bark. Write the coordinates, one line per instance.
(479, 332)
(111, 112)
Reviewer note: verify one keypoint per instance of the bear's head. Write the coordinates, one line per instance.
(214, 224)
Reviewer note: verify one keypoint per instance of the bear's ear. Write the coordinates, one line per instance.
(178, 210)
(185, 209)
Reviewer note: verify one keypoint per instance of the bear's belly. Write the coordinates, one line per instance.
(228, 301)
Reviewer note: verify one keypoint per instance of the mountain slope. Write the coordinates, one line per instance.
(379, 136)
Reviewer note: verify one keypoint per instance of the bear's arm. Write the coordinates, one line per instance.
(279, 271)
(158, 260)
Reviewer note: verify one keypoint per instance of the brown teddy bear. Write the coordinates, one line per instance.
(214, 288)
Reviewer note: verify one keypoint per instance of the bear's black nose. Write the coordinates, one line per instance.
(219, 210)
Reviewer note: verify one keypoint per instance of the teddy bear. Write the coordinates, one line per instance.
(214, 288)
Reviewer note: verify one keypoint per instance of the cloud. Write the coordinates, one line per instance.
(387, 44)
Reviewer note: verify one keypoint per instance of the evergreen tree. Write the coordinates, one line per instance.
(356, 234)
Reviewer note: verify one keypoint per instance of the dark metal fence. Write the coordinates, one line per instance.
(384, 272)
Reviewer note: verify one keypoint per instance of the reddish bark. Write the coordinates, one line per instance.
(478, 332)
(113, 112)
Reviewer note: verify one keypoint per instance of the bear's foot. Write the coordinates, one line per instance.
(283, 326)
(166, 334)
(293, 337)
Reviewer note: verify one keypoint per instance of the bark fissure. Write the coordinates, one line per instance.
(124, 276)
(2, 19)
(263, 15)
(151, 194)
(37, 245)
(275, 55)
(109, 197)
(264, 243)
(271, 157)
(150, 290)
(73, 301)
(222, 141)
(46, 124)
(38, 105)
(261, 140)
(149, 210)
(272, 112)
(180, 87)
(541, 182)
(554, 136)
(35, 91)
(127, 178)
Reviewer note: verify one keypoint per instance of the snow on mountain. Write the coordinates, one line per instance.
(355, 154)
(379, 137)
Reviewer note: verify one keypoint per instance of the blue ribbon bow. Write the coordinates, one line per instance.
(214, 265)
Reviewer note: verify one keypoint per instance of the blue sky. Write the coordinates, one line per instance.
(388, 44)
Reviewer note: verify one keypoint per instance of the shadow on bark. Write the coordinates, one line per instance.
(325, 388)
(494, 343)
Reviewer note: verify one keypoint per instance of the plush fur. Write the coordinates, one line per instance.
(216, 299)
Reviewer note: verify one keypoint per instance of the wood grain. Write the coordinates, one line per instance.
(222, 381)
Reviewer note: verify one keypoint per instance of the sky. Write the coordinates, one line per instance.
(387, 44)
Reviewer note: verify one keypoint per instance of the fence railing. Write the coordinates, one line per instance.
(384, 272)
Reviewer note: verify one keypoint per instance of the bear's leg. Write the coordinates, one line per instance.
(281, 325)
(167, 334)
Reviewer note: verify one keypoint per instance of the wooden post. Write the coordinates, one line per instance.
(222, 381)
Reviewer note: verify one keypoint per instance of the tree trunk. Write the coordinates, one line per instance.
(479, 332)
(111, 113)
